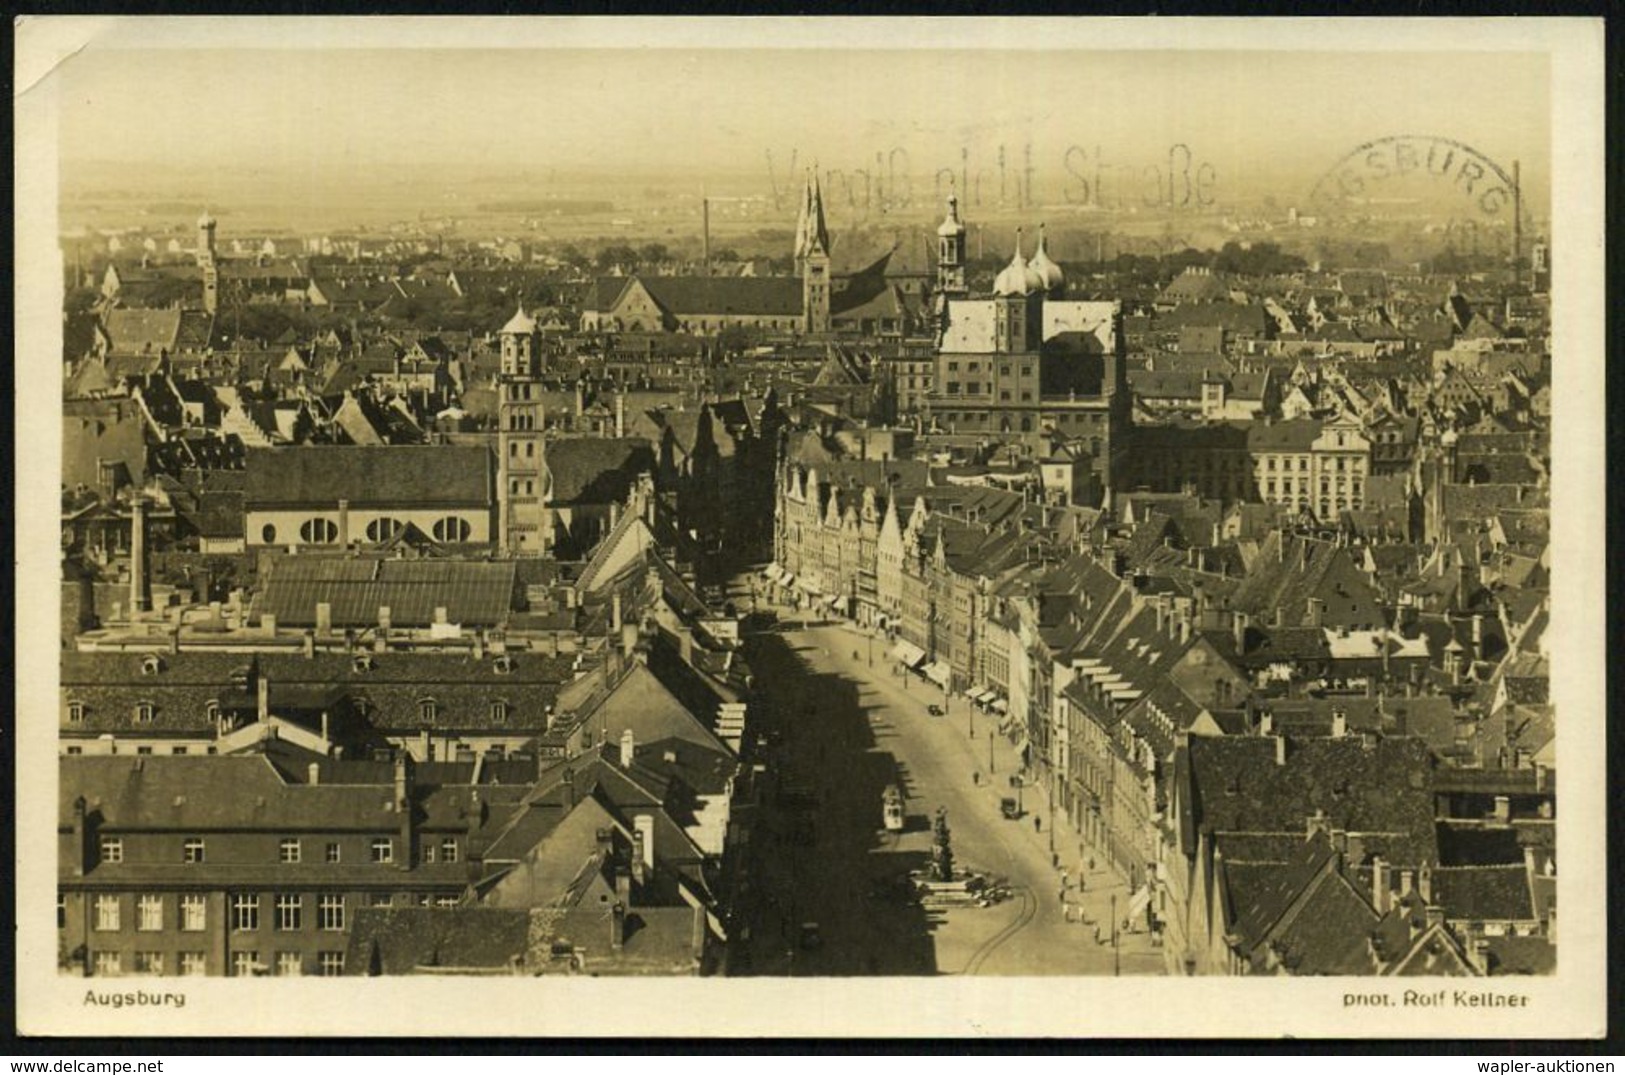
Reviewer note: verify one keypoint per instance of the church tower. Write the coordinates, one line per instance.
(950, 254)
(525, 525)
(1018, 295)
(812, 260)
(205, 260)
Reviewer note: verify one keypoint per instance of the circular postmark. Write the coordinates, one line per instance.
(1405, 166)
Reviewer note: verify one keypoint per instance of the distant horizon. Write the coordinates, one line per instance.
(1253, 124)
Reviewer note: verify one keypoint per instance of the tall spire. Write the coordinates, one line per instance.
(802, 218)
(817, 233)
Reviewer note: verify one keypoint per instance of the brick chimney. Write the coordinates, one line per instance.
(1381, 895)
(643, 841)
(262, 696)
(81, 837)
(403, 806)
(344, 524)
(138, 555)
(1238, 625)
(1280, 750)
(628, 748)
(1340, 723)
(569, 788)
(697, 936)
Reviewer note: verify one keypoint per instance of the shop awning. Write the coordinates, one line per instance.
(773, 571)
(808, 587)
(939, 673)
(1000, 705)
(788, 579)
(908, 653)
(839, 604)
(982, 697)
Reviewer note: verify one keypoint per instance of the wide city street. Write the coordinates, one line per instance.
(842, 722)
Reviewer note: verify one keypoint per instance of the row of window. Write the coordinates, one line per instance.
(321, 531)
(243, 964)
(1004, 368)
(291, 850)
(193, 915)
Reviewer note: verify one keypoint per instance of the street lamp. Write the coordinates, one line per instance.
(990, 768)
(1117, 958)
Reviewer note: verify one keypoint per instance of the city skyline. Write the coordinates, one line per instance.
(638, 445)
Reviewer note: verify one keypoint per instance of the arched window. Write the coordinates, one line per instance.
(319, 531)
(268, 534)
(384, 529)
(451, 529)
(428, 709)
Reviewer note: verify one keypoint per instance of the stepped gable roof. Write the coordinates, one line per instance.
(404, 940)
(388, 476)
(472, 593)
(1382, 791)
(597, 470)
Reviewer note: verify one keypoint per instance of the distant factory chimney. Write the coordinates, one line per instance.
(705, 232)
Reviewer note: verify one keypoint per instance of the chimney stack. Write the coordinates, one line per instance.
(628, 748)
(262, 697)
(615, 611)
(697, 938)
(138, 555)
(1381, 896)
(344, 524)
(403, 804)
(313, 774)
(81, 836)
(569, 788)
(645, 826)
(309, 645)
(1340, 723)
(620, 414)
(1280, 750)
(324, 617)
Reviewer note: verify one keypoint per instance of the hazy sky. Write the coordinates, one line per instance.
(1253, 115)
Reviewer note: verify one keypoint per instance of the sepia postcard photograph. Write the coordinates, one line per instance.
(840, 527)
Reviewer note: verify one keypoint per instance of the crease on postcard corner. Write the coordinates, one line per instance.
(45, 42)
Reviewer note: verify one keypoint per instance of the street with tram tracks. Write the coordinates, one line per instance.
(838, 731)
